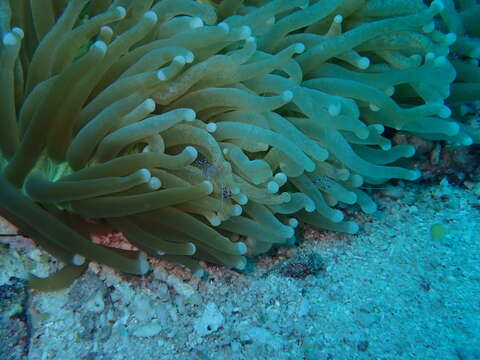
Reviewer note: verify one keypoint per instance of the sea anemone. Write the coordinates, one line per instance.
(184, 124)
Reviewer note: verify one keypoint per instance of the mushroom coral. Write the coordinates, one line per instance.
(184, 124)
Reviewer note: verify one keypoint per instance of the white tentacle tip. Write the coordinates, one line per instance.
(379, 128)
(149, 105)
(428, 28)
(145, 175)
(409, 151)
(272, 187)
(430, 56)
(180, 60)
(196, 22)
(450, 38)
(161, 75)
(215, 220)
(209, 186)
(237, 210)
(211, 127)
(241, 247)
(9, 39)
(154, 183)
(445, 112)
(190, 150)
(245, 32)
(334, 109)
(106, 31)
(100, 45)
(352, 227)
(242, 199)
(415, 175)
(192, 249)
(78, 260)
(440, 61)
(363, 63)
(390, 90)
(190, 115)
(18, 31)
(467, 141)
(224, 26)
(151, 15)
(280, 178)
(293, 222)
(437, 5)
(189, 57)
(287, 95)
(310, 206)
(299, 48)
(337, 216)
(122, 12)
